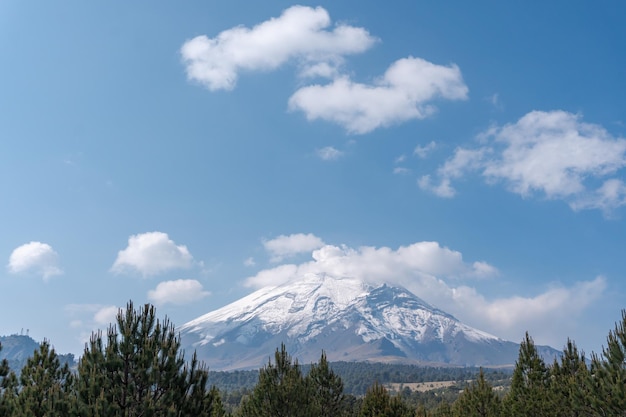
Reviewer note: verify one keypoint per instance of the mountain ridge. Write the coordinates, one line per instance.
(348, 319)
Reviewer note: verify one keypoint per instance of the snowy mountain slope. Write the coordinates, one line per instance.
(347, 318)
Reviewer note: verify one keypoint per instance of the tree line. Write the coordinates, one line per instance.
(137, 368)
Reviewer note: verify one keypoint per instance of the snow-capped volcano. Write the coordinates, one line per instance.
(347, 318)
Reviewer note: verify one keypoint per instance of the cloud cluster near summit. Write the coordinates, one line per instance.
(302, 35)
(440, 276)
(553, 153)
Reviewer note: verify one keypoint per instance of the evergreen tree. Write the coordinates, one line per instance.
(444, 410)
(4, 367)
(281, 390)
(6, 376)
(46, 387)
(529, 393)
(141, 371)
(9, 391)
(478, 400)
(608, 374)
(325, 389)
(569, 383)
(378, 403)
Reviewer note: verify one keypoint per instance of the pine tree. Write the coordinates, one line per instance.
(281, 390)
(569, 382)
(478, 400)
(378, 403)
(443, 410)
(141, 371)
(325, 389)
(46, 387)
(8, 388)
(529, 394)
(4, 367)
(608, 374)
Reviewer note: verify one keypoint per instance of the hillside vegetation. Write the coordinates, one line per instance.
(137, 368)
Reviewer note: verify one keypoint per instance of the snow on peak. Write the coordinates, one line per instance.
(305, 307)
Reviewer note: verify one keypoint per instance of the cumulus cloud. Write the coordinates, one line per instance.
(329, 153)
(180, 291)
(439, 275)
(377, 265)
(547, 314)
(35, 257)
(288, 245)
(151, 254)
(300, 34)
(554, 154)
(404, 92)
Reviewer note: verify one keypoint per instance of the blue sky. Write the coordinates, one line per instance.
(187, 154)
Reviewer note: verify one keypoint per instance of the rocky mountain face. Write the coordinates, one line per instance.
(348, 319)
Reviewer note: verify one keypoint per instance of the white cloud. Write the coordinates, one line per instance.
(548, 316)
(299, 34)
(249, 262)
(287, 245)
(151, 254)
(432, 272)
(379, 265)
(35, 257)
(106, 315)
(401, 171)
(551, 153)
(329, 153)
(443, 189)
(423, 151)
(180, 291)
(403, 93)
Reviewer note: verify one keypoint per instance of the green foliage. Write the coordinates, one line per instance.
(570, 378)
(46, 385)
(608, 374)
(478, 400)
(281, 390)
(141, 371)
(4, 366)
(529, 393)
(378, 403)
(325, 389)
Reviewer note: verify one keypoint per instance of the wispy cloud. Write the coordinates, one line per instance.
(329, 153)
(151, 254)
(404, 92)
(180, 291)
(401, 171)
(423, 151)
(285, 246)
(300, 34)
(554, 154)
(36, 258)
